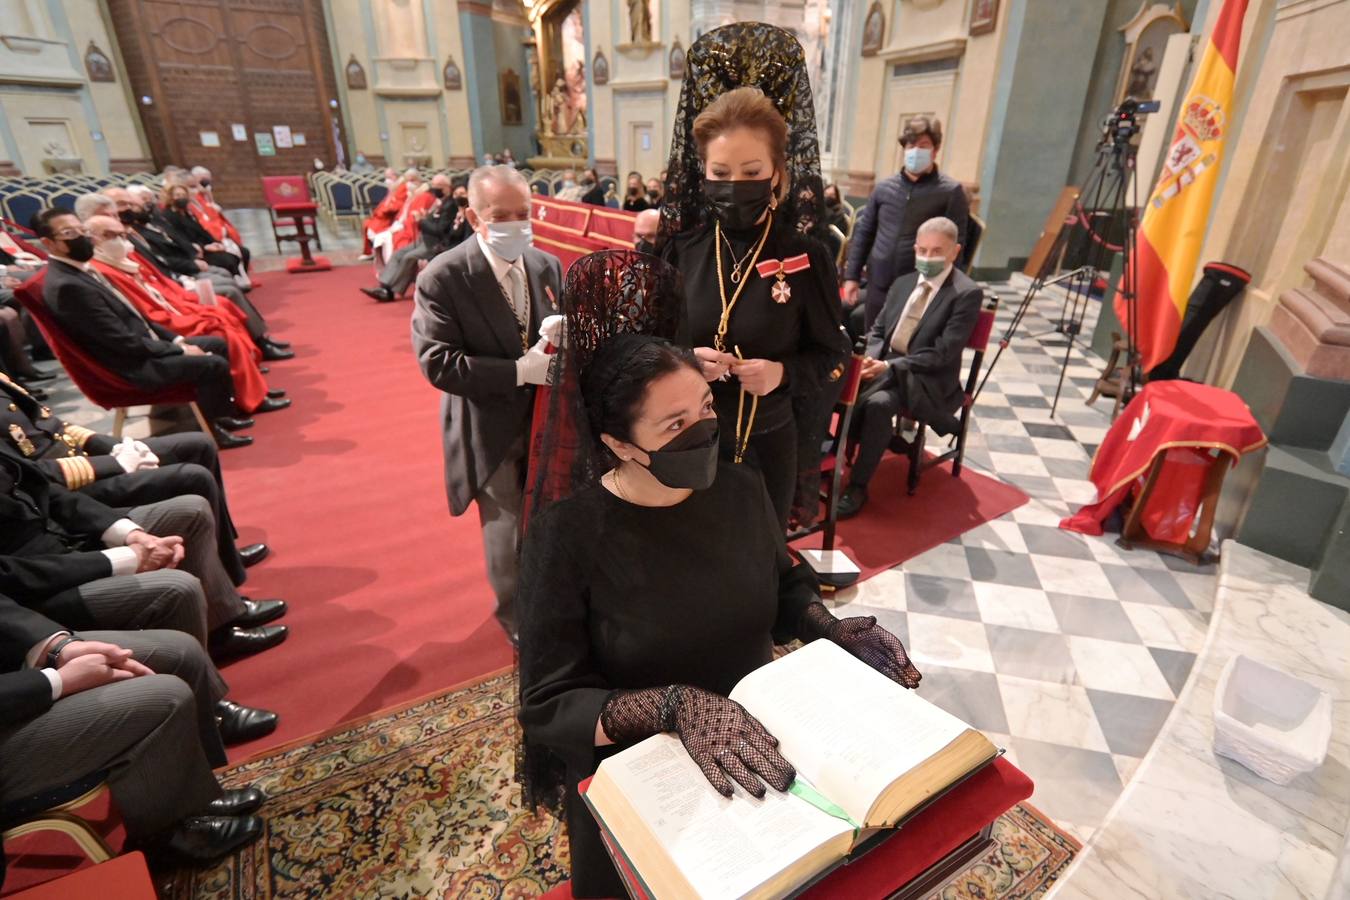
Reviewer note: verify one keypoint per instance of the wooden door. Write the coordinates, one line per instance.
(202, 68)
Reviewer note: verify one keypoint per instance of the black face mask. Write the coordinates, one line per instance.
(205, 182)
(462, 202)
(180, 203)
(738, 204)
(80, 249)
(688, 460)
(128, 216)
(642, 245)
(438, 193)
(143, 215)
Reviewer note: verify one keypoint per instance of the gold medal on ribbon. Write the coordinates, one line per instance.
(21, 439)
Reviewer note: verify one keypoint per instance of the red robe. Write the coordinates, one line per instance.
(384, 214)
(213, 220)
(413, 211)
(180, 311)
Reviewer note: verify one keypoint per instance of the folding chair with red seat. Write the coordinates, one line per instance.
(913, 448)
(101, 385)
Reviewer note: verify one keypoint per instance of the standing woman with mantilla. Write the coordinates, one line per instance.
(761, 297)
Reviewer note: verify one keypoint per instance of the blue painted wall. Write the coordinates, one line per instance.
(491, 48)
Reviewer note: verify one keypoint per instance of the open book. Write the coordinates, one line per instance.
(866, 750)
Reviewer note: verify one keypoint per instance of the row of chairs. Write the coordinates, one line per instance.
(22, 198)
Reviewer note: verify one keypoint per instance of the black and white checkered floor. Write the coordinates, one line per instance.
(1068, 651)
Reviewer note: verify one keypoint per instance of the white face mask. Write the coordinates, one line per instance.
(114, 251)
(508, 239)
(918, 159)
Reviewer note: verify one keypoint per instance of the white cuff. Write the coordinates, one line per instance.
(179, 341)
(55, 678)
(125, 560)
(118, 532)
(520, 372)
(35, 655)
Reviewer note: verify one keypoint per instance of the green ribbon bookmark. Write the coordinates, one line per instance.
(800, 787)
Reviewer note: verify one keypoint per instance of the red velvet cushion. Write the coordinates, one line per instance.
(924, 840)
(120, 878)
(290, 209)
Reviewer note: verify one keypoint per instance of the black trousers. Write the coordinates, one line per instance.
(188, 464)
(209, 374)
(873, 427)
(226, 261)
(774, 455)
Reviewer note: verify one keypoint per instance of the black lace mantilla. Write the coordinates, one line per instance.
(738, 55)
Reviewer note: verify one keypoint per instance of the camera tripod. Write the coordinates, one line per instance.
(1103, 198)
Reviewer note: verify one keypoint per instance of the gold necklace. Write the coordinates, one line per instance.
(743, 431)
(614, 479)
(720, 339)
(736, 274)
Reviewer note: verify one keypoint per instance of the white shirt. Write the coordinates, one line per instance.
(935, 285)
(500, 270)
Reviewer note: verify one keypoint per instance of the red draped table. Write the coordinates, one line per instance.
(1171, 447)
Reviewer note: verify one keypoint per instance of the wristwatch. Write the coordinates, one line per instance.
(54, 654)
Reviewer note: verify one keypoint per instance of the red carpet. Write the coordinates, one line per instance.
(388, 595)
(894, 526)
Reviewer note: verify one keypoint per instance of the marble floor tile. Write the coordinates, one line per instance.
(1083, 833)
(1057, 448)
(1003, 443)
(1017, 464)
(1000, 534)
(1104, 550)
(938, 596)
(1141, 585)
(1079, 577)
(973, 697)
(1001, 426)
(1029, 402)
(1054, 713)
(1129, 723)
(1076, 491)
(1166, 626)
(1041, 487)
(1071, 784)
(1125, 766)
(893, 620)
(1016, 607)
(1199, 588)
(946, 560)
(1035, 513)
(1049, 541)
(1093, 617)
(943, 641)
(1002, 567)
(1115, 666)
(1049, 430)
(1020, 387)
(885, 589)
(1086, 434)
(1031, 654)
(994, 411)
(1175, 666)
(1070, 469)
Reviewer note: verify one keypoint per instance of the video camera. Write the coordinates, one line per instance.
(1122, 124)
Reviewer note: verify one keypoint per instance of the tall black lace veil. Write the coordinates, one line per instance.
(745, 54)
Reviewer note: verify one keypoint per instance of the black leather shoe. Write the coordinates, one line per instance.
(276, 393)
(237, 802)
(227, 441)
(381, 293)
(264, 369)
(234, 423)
(284, 345)
(272, 352)
(237, 725)
(852, 502)
(259, 612)
(204, 839)
(271, 405)
(35, 375)
(230, 643)
(253, 554)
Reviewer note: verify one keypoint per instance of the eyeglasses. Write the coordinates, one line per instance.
(66, 234)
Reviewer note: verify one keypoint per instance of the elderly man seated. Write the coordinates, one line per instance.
(443, 227)
(212, 217)
(386, 211)
(402, 230)
(914, 353)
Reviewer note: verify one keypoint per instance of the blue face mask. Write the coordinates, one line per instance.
(918, 159)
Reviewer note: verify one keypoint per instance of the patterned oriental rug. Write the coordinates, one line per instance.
(420, 801)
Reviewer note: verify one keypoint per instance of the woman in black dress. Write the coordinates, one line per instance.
(761, 295)
(184, 227)
(635, 196)
(617, 641)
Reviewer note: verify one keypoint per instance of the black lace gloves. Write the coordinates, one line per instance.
(865, 639)
(719, 734)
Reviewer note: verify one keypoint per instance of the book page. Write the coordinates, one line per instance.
(726, 846)
(847, 728)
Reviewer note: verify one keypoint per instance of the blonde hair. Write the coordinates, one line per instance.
(746, 107)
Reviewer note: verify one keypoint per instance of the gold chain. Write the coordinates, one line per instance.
(743, 434)
(614, 479)
(736, 274)
(720, 339)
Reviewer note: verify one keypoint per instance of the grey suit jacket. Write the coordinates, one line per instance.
(467, 340)
(931, 371)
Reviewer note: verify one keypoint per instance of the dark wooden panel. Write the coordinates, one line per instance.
(209, 64)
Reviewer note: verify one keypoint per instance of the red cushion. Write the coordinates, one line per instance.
(290, 209)
(924, 840)
(120, 878)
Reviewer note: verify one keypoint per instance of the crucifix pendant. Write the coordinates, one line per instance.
(781, 292)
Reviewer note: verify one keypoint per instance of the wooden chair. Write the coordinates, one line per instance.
(52, 811)
(914, 447)
(101, 385)
(293, 210)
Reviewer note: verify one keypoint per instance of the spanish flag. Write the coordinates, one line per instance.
(1175, 216)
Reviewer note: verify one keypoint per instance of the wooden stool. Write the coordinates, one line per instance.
(1114, 377)
(1194, 549)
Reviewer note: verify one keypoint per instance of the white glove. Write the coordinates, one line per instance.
(551, 330)
(533, 367)
(148, 458)
(131, 456)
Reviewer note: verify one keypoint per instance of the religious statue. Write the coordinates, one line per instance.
(557, 108)
(1142, 73)
(640, 21)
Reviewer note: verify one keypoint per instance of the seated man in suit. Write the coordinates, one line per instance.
(40, 520)
(914, 353)
(109, 328)
(443, 227)
(212, 216)
(127, 472)
(129, 704)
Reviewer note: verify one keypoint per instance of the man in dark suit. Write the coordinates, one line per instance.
(445, 226)
(480, 311)
(126, 472)
(125, 703)
(914, 353)
(111, 329)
